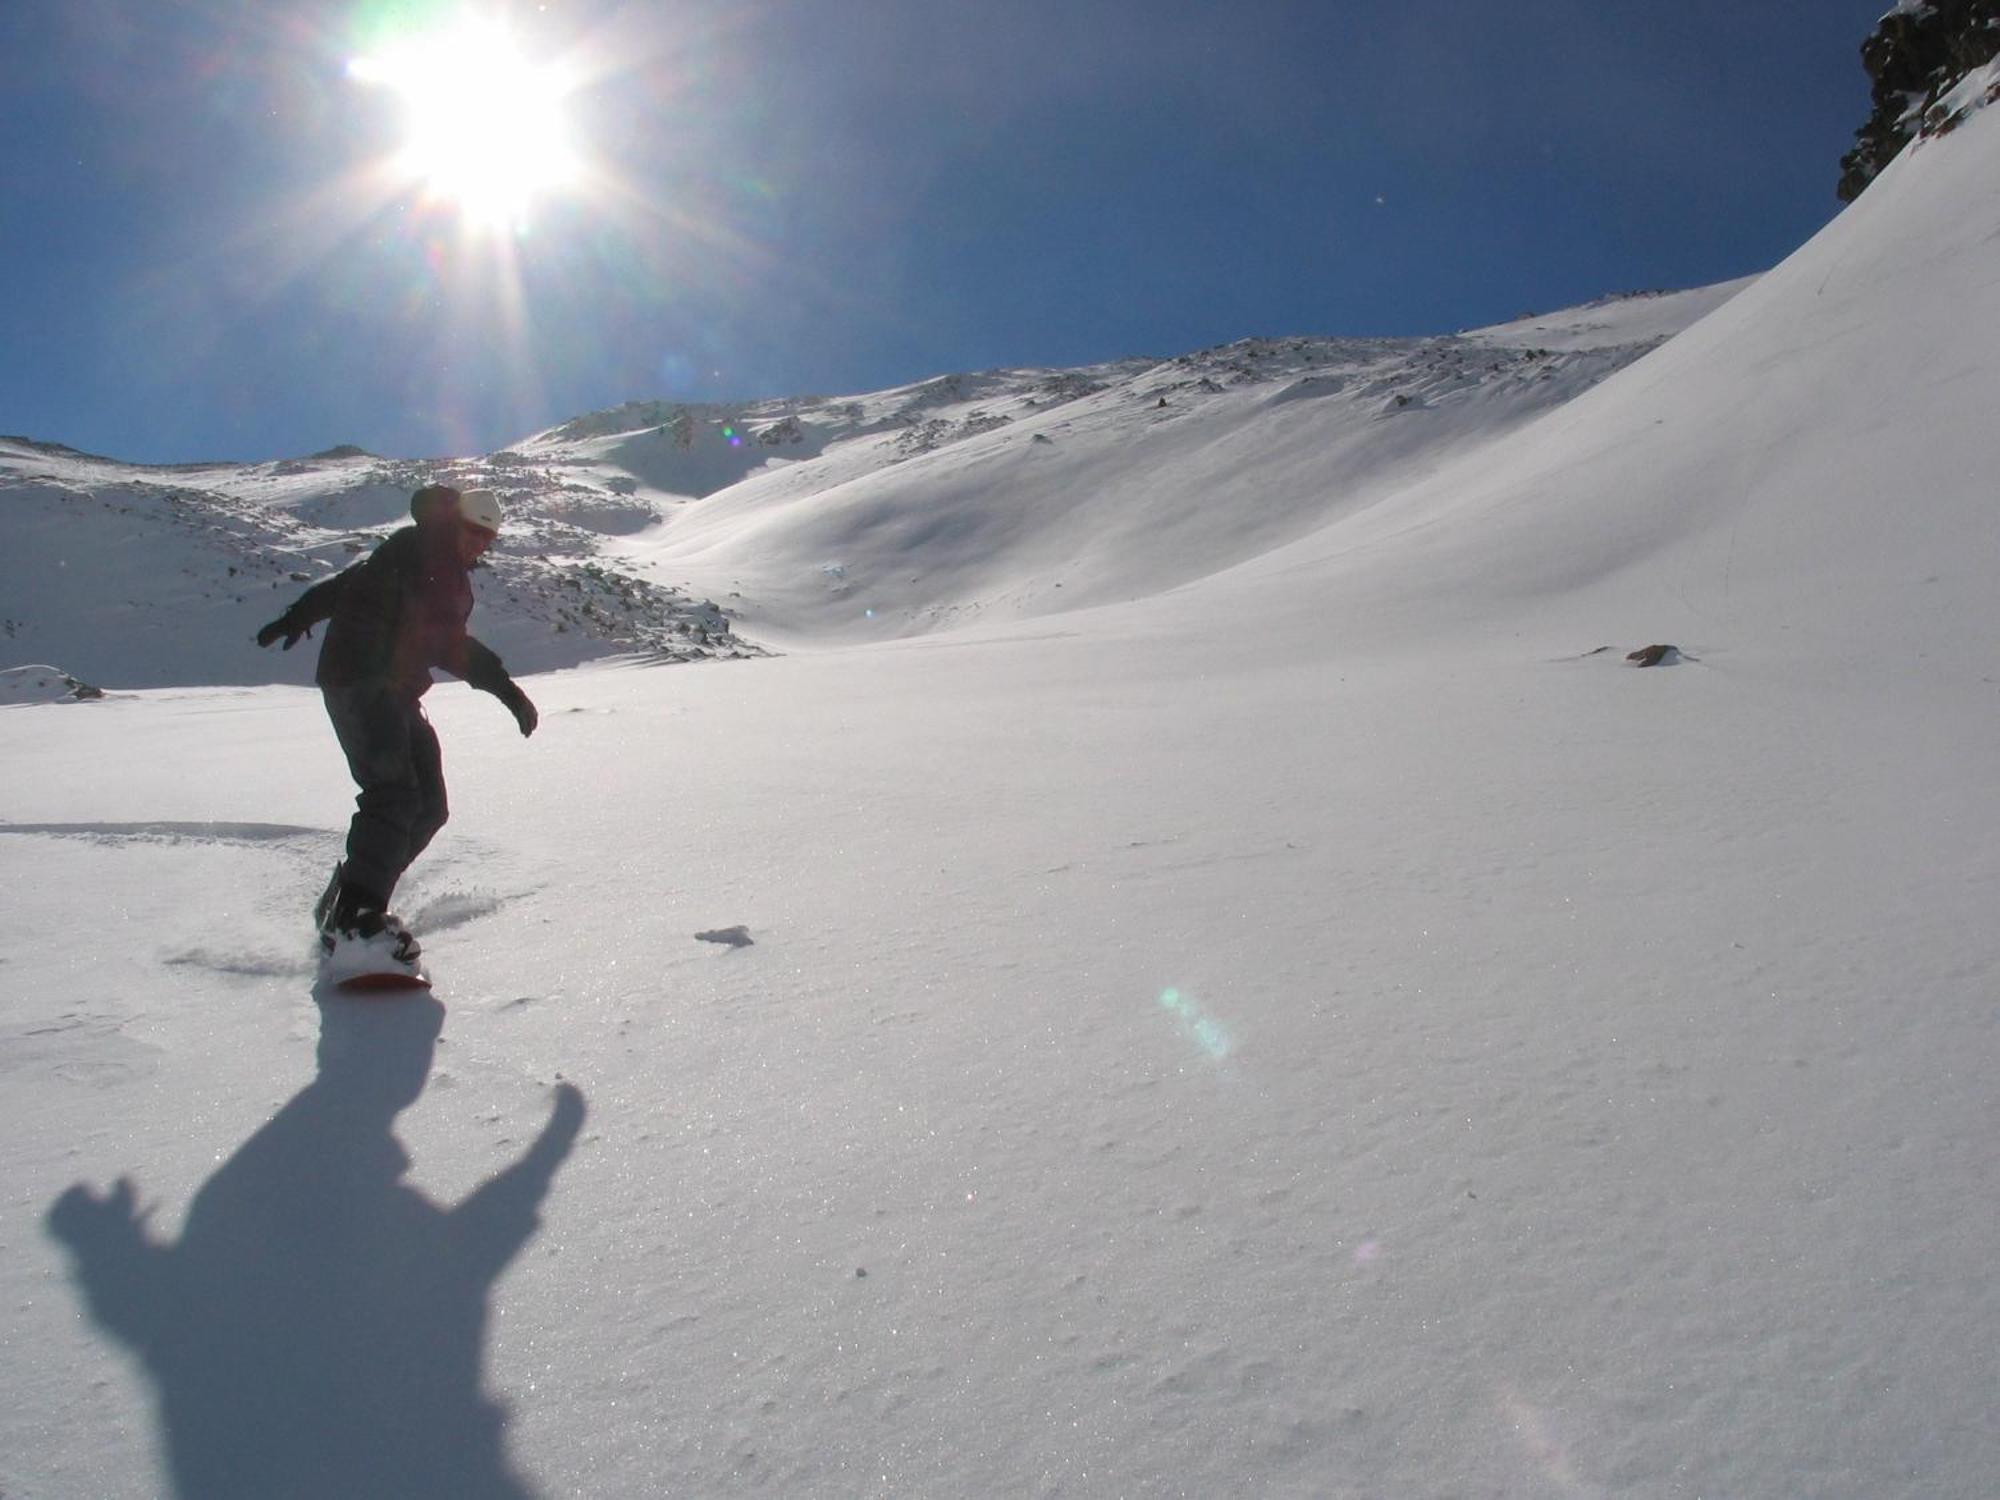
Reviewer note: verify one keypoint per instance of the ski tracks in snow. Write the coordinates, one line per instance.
(251, 835)
(249, 950)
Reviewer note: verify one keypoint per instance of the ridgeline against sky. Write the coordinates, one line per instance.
(249, 230)
(1916, 56)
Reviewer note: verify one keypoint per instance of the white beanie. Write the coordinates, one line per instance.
(480, 508)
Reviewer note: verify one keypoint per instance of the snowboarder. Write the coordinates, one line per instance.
(394, 616)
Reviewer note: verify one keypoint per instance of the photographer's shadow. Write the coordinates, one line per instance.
(319, 1328)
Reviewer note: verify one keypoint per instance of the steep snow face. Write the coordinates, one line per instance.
(1022, 499)
(1784, 478)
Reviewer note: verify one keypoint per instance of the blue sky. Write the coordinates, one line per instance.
(795, 197)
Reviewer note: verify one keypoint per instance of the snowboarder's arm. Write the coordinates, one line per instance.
(376, 588)
(503, 1213)
(485, 671)
(309, 609)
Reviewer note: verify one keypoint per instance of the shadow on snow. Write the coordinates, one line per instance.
(319, 1328)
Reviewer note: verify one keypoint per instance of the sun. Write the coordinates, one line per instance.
(485, 126)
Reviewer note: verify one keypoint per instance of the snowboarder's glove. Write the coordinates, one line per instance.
(519, 706)
(285, 625)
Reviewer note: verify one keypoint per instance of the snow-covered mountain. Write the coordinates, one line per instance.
(680, 532)
(142, 576)
(1297, 1011)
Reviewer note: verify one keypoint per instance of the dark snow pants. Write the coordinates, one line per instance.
(392, 753)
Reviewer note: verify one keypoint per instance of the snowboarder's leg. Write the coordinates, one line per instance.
(376, 733)
(427, 763)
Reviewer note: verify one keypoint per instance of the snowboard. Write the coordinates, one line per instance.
(385, 982)
(367, 967)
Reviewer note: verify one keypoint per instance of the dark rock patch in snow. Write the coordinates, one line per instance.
(1655, 656)
(729, 937)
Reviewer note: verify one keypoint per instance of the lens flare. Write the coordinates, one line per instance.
(1540, 1442)
(1207, 1033)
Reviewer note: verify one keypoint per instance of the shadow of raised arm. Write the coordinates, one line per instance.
(492, 1224)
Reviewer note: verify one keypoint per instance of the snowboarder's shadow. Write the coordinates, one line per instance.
(319, 1327)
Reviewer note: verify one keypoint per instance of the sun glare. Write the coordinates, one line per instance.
(486, 129)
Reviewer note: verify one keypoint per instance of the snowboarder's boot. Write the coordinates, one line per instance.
(323, 908)
(406, 941)
(356, 916)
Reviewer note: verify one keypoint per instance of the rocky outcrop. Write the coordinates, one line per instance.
(1921, 51)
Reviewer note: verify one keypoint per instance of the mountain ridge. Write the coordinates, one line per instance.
(681, 532)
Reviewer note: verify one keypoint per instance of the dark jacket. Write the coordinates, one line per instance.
(397, 614)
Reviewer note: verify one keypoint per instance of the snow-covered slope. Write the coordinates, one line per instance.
(1790, 480)
(1032, 497)
(139, 576)
(1314, 1030)
(682, 532)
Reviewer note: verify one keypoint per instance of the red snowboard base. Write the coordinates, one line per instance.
(384, 984)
